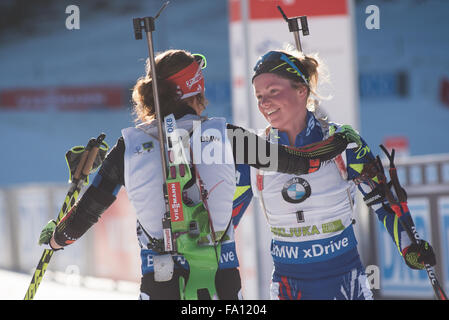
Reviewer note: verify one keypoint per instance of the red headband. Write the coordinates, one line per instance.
(190, 80)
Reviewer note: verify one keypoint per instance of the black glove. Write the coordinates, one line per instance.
(417, 255)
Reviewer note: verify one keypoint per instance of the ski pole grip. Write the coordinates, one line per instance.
(81, 164)
(92, 155)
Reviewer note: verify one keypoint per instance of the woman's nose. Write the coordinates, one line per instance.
(263, 102)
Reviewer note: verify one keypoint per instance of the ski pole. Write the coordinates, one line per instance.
(293, 26)
(400, 208)
(81, 173)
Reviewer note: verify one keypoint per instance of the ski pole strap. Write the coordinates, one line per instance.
(88, 157)
(76, 156)
(400, 192)
(399, 209)
(82, 161)
(92, 155)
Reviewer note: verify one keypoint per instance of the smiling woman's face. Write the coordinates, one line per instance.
(282, 105)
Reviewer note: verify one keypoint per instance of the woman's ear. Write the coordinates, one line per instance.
(194, 103)
(302, 91)
(190, 101)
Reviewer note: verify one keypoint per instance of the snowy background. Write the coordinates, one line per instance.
(60, 286)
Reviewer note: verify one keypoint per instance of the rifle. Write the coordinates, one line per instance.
(293, 26)
(187, 229)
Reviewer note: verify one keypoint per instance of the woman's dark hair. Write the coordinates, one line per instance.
(167, 64)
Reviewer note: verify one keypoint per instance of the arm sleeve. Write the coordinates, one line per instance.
(243, 193)
(97, 198)
(250, 149)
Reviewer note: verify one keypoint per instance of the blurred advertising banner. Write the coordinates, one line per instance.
(397, 279)
(444, 91)
(28, 208)
(400, 144)
(443, 222)
(109, 249)
(63, 98)
(257, 26)
(116, 250)
(6, 249)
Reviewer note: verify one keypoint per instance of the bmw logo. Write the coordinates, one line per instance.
(296, 190)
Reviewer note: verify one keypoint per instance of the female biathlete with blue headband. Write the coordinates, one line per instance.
(311, 215)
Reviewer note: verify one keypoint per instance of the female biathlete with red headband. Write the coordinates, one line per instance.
(135, 163)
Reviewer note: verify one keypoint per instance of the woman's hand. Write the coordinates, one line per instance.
(47, 236)
(348, 133)
(416, 256)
